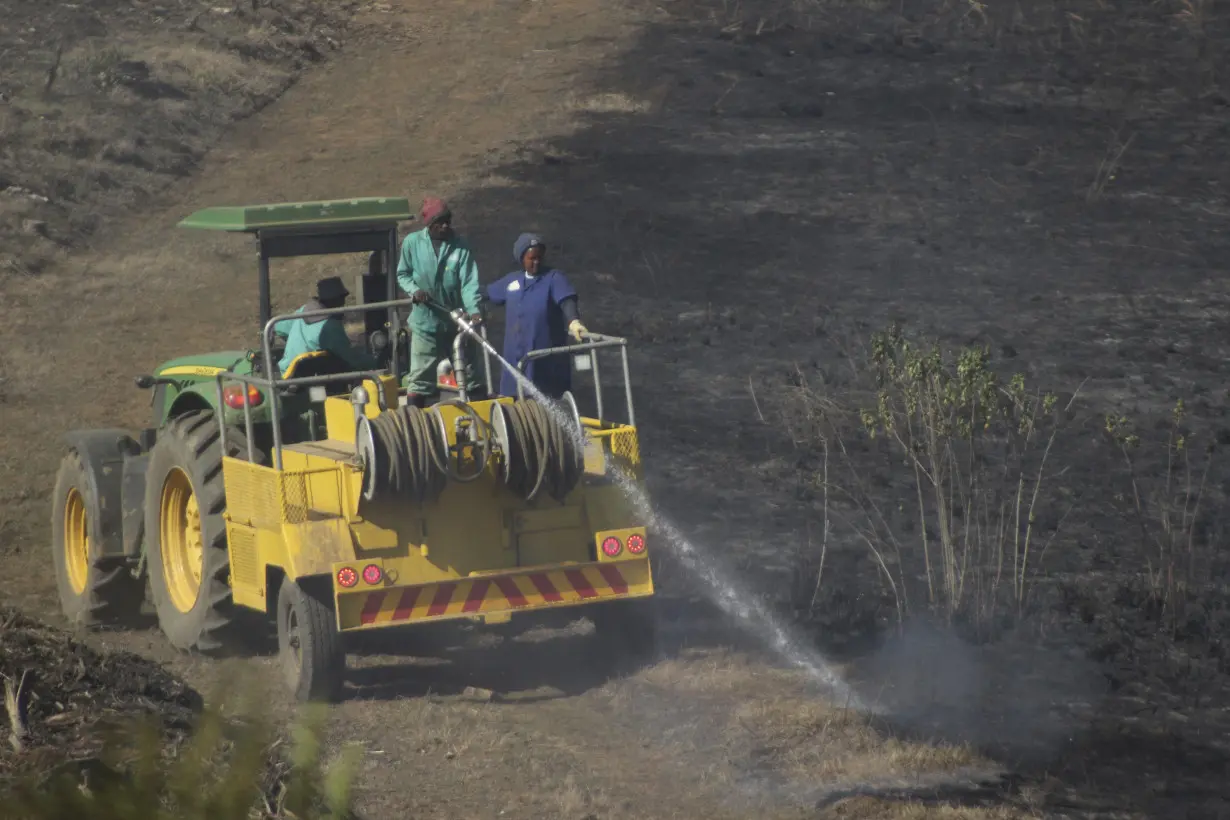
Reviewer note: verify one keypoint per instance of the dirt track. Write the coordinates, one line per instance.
(734, 204)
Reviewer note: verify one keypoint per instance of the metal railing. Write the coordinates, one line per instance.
(599, 342)
(272, 388)
(267, 332)
(274, 384)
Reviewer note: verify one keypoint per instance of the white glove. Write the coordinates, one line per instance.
(577, 329)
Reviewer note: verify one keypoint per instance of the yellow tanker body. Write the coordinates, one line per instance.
(477, 549)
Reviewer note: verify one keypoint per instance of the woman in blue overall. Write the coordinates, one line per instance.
(540, 312)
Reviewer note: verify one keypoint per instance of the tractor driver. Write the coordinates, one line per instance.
(436, 264)
(326, 333)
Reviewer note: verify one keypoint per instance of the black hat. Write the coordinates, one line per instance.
(331, 288)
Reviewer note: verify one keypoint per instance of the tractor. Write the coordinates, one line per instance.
(321, 500)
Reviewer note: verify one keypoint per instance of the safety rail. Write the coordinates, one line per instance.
(273, 388)
(599, 342)
(273, 385)
(268, 331)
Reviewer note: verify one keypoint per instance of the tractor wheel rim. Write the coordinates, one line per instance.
(183, 548)
(76, 541)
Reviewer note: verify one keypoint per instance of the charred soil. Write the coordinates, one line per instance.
(748, 191)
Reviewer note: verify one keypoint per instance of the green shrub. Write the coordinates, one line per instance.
(224, 769)
(942, 470)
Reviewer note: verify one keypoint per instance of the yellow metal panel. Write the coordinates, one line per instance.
(462, 532)
(247, 573)
(553, 547)
(339, 412)
(253, 493)
(391, 390)
(368, 537)
(492, 594)
(339, 419)
(555, 534)
(595, 456)
(617, 445)
(608, 508)
(325, 491)
(313, 547)
(550, 518)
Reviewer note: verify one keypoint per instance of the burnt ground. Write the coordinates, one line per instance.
(104, 104)
(1047, 184)
(747, 191)
(73, 695)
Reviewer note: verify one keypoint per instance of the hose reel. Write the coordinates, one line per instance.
(541, 453)
(404, 453)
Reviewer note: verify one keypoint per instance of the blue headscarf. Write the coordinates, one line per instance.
(524, 242)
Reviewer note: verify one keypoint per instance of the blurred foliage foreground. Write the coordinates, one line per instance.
(112, 736)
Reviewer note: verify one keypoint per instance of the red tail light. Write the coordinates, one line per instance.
(636, 544)
(347, 577)
(373, 574)
(233, 396)
(611, 546)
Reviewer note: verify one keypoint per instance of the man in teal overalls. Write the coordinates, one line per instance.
(437, 264)
(322, 332)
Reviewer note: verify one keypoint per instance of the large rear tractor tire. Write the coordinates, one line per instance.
(627, 631)
(94, 591)
(310, 649)
(186, 549)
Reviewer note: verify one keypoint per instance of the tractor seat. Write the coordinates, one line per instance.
(314, 363)
(321, 363)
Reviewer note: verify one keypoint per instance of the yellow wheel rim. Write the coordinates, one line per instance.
(183, 549)
(76, 541)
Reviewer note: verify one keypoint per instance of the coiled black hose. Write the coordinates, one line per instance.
(409, 458)
(544, 454)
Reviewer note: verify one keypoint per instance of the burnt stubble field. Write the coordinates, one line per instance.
(1045, 181)
(755, 189)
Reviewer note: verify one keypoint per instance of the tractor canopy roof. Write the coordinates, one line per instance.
(335, 226)
(335, 215)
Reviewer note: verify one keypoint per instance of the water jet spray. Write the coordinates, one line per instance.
(735, 600)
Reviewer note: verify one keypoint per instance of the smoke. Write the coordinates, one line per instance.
(1014, 700)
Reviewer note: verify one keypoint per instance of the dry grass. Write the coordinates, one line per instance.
(610, 103)
(768, 715)
(873, 808)
(810, 741)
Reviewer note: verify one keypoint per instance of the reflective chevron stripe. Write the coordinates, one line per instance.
(557, 586)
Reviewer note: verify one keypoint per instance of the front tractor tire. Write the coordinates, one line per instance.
(310, 649)
(186, 547)
(94, 591)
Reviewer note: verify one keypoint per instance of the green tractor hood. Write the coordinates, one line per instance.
(189, 383)
(205, 365)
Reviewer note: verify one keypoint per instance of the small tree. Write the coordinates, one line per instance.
(977, 450)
